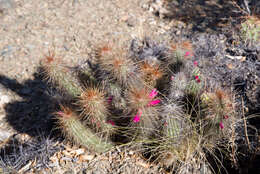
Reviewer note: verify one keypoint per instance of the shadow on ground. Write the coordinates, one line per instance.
(33, 116)
(211, 15)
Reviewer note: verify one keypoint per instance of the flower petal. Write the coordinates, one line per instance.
(187, 54)
(221, 125)
(109, 100)
(111, 122)
(226, 117)
(154, 102)
(153, 93)
(137, 116)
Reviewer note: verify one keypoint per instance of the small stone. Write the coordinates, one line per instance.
(4, 135)
(6, 51)
(4, 99)
(130, 22)
(151, 9)
(145, 6)
(131, 152)
(79, 151)
(86, 157)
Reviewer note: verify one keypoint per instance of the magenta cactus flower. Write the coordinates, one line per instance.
(153, 94)
(111, 122)
(154, 102)
(137, 116)
(197, 79)
(109, 100)
(221, 125)
(226, 117)
(187, 54)
(195, 63)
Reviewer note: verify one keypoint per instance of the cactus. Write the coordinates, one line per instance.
(74, 129)
(151, 73)
(119, 66)
(57, 72)
(162, 104)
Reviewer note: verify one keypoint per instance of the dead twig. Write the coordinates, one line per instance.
(245, 125)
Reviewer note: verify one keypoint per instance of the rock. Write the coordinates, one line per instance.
(6, 51)
(4, 99)
(4, 134)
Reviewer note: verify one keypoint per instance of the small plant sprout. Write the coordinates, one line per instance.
(250, 30)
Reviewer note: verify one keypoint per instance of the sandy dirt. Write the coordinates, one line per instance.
(29, 28)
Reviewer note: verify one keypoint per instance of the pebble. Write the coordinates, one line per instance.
(4, 99)
(6, 51)
(4, 134)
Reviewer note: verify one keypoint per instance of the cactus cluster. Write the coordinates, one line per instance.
(162, 103)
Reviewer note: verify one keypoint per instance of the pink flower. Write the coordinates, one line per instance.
(226, 117)
(195, 63)
(137, 116)
(154, 102)
(111, 122)
(187, 54)
(60, 113)
(197, 79)
(221, 125)
(109, 100)
(153, 94)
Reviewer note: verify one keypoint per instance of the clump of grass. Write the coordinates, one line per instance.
(250, 30)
